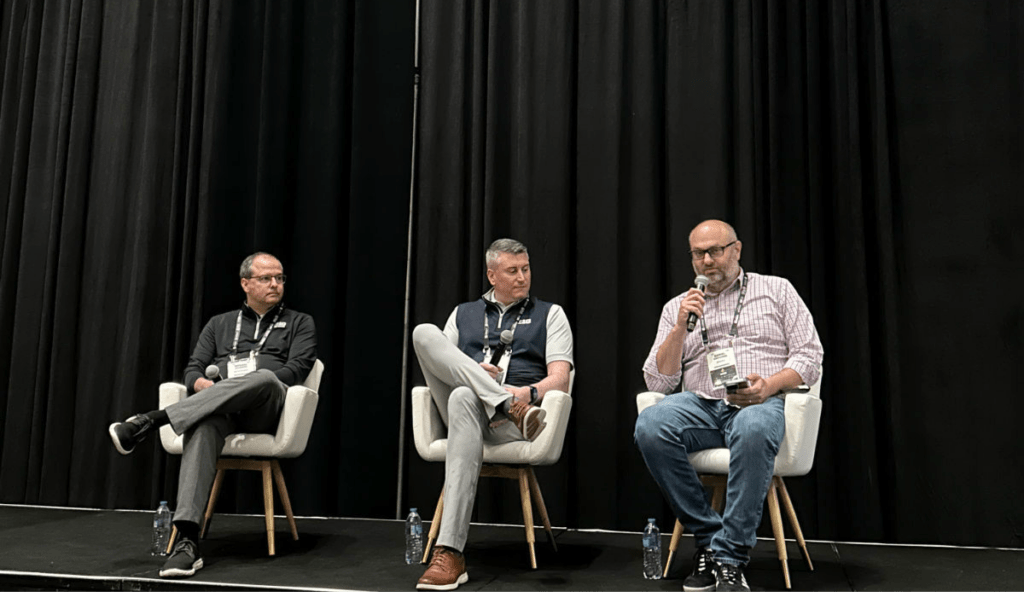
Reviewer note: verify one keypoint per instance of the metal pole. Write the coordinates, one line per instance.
(403, 398)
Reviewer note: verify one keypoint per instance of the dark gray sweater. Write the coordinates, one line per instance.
(289, 352)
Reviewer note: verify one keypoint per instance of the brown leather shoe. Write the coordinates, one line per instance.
(447, 571)
(529, 420)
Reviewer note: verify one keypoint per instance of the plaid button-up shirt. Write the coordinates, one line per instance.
(775, 331)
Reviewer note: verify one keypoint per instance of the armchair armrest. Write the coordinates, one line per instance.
(427, 426)
(170, 393)
(548, 445)
(796, 453)
(647, 399)
(296, 421)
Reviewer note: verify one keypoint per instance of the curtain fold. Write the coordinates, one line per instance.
(790, 120)
(148, 148)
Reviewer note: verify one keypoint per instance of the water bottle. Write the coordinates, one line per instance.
(413, 537)
(161, 530)
(652, 551)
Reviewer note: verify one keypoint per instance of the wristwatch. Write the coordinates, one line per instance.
(533, 395)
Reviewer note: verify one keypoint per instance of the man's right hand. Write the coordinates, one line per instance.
(693, 302)
(201, 384)
(492, 370)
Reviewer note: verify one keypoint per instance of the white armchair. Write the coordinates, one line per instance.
(257, 451)
(795, 458)
(514, 460)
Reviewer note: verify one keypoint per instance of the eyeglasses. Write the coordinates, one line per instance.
(715, 252)
(280, 279)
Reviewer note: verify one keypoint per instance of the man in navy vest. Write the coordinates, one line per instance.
(481, 402)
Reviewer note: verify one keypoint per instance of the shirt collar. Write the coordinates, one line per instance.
(489, 297)
(735, 284)
(248, 312)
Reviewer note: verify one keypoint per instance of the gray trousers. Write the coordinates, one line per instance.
(250, 403)
(467, 399)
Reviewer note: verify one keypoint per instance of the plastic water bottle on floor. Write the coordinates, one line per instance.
(652, 551)
(161, 530)
(413, 537)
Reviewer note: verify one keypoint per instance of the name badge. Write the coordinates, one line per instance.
(239, 366)
(722, 366)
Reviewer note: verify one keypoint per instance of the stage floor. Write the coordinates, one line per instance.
(74, 549)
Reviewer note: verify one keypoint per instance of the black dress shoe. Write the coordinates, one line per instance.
(127, 435)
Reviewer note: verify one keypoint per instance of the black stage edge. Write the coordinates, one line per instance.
(103, 550)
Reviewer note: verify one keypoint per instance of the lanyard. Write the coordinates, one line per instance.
(487, 342)
(733, 331)
(266, 334)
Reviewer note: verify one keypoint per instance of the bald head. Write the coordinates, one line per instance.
(716, 228)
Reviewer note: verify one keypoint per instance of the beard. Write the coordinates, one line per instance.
(719, 277)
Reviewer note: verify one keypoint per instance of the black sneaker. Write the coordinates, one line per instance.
(127, 435)
(184, 559)
(703, 576)
(729, 578)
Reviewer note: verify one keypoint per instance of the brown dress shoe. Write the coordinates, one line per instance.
(447, 571)
(529, 420)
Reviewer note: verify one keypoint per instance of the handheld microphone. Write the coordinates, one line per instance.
(506, 341)
(700, 282)
(213, 373)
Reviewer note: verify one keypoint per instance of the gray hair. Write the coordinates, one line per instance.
(246, 270)
(504, 245)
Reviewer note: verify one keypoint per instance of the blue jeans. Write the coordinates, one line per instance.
(681, 424)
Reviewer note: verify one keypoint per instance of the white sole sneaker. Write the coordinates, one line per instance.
(183, 571)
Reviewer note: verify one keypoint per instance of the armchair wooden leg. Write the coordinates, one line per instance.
(538, 498)
(435, 527)
(780, 538)
(268, 504)
(791, 513)
(282, 490)
(218, 481)
(717, 485)
(524, 496)
(174, 534)
(677, 534)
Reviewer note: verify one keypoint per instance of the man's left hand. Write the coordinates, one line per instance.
(520, 394)
(758, 392)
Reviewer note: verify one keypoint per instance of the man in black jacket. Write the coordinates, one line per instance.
(259, 350)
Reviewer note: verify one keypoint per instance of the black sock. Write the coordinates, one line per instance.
(159, 417)
(187, 530)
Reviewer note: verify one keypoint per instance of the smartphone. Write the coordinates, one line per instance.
(731, 388)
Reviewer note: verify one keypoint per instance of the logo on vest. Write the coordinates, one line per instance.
(524, 321)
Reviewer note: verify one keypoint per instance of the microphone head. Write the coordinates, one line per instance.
(212, 371)
(701, 282)
(506, 337)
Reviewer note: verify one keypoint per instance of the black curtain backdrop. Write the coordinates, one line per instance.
(868, 151)
(871, 152)
(147, 148)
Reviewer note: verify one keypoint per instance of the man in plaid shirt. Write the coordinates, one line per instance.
(760, 324)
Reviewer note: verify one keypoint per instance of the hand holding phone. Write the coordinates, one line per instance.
(731, 388)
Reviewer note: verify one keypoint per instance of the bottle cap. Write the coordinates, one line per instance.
(163, 502)
(412, 509)
(650, 520)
